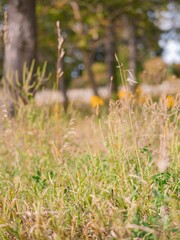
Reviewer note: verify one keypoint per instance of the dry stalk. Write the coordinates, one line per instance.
(59, 71)
(60, 53)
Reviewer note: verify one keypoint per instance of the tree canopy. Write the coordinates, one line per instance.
(134, 34)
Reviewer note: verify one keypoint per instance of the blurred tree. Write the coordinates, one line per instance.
(137, 21)
(48, 13)
(19, 41)
(81, 27)
(110, 50)
(89, 25)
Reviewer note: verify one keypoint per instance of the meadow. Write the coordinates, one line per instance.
(107, 173)
(89, 139)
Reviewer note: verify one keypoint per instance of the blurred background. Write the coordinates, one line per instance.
(145, 35)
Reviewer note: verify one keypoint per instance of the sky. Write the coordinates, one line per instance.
(171, 53)
(170, 41)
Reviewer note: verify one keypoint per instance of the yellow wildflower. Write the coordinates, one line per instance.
(170, 101)
(124, 94)
(96, 101)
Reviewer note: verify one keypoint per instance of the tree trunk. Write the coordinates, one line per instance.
(19, 40)
(132, 54)
(88, 68)
(110, 49)
(85, 52)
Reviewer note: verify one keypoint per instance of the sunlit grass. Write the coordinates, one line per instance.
(128, 190)
(109, 174)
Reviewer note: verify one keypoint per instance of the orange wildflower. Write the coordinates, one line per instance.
(96, 101)
(170, 101)
(124, 94)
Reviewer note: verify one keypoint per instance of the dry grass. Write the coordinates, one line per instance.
(109, 174)
(112, 176)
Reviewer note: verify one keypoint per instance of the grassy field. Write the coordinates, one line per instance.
(83, 176)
